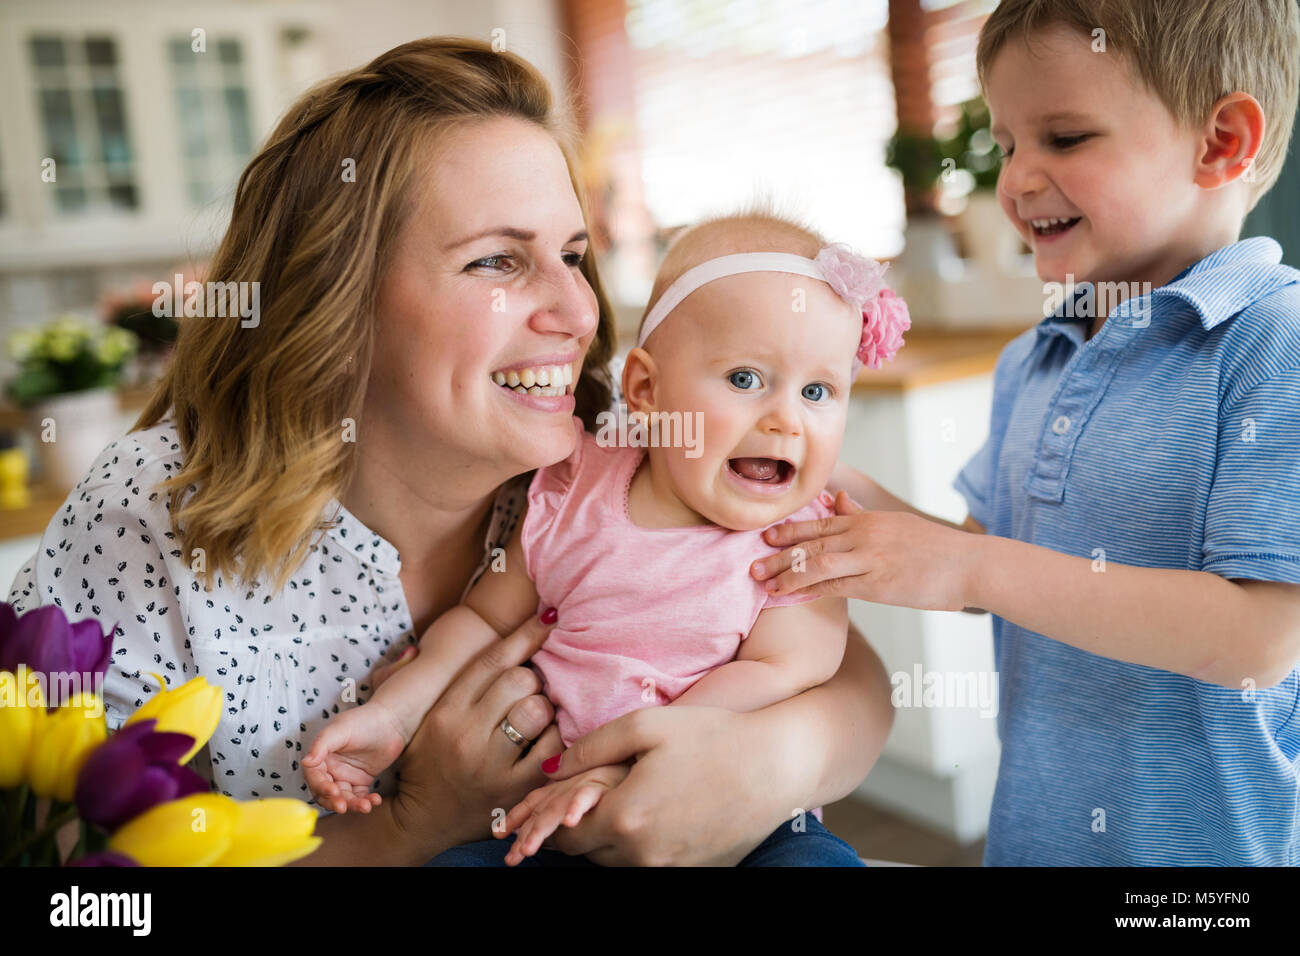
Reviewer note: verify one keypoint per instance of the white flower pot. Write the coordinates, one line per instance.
(81, 425)
(990, 240)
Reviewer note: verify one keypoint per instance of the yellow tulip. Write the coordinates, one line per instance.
(64, 739)
(194, 708)
(271, 833)
(22, 716)
(193, 831)
(209, 829)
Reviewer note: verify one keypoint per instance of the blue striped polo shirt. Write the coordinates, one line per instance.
(1171, 439)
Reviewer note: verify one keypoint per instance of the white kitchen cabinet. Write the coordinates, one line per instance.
(940, 763)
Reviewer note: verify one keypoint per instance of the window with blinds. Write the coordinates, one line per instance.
(952, 34)
(762, 99)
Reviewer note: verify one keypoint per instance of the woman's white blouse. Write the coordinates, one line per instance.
(286, 662)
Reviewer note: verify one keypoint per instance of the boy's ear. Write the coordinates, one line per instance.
(639, 377)
(1233, 137)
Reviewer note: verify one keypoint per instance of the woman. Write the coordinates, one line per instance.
(336, 473)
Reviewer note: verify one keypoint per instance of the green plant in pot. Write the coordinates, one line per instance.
(973, 146)
(988, 238)
(67, 375)
(66, 355)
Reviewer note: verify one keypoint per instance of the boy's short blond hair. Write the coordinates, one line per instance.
(756, 229)
(1190, 53)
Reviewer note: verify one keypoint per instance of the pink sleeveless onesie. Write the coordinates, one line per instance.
(643, 612)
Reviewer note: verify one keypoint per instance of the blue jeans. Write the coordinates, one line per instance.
(815, 846)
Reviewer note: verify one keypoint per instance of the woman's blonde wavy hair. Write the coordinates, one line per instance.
(260, 410)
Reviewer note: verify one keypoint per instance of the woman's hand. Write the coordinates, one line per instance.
(707, 787)
(460, 768)
(887, 557)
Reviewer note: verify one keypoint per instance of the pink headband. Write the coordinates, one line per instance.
(857, 279)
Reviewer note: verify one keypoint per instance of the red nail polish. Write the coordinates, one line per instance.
(549, 615)
(551, 764)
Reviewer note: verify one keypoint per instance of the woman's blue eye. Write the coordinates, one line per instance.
(743, 378)
(816, 392)
(488, 262)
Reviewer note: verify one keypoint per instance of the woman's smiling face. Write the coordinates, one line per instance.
(485, 287)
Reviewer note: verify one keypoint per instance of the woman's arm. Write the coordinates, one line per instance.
(369, 839)
(709, 785)
(856, 701)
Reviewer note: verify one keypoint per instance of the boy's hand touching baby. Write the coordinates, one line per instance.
(888, 557)
(354, 747)
(565, 802)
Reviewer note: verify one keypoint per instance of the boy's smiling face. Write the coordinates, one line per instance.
(1085, 141)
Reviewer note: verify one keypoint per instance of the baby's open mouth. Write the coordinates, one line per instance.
(774, 471)
(537, 380)
(1053, 227)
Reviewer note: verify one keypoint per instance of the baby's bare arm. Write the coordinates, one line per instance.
(504, 596)
(789, 650)
(501, 600)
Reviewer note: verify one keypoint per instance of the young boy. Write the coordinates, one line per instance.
(1140, 486)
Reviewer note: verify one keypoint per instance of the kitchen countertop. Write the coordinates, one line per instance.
(933, 356)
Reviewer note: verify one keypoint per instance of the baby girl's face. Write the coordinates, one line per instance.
(772, 384)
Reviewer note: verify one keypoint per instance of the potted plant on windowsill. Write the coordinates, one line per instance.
(987, 237)
(928, 247)
(67, 375)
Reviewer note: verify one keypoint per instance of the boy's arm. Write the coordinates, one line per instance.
(1218, 630)
(857, 484)
(1237, 622)
(1221, 631)
(872, 497)
(789, 650)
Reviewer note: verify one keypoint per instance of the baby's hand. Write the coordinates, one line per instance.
(353, 749)
(563, 801)
(888, 557)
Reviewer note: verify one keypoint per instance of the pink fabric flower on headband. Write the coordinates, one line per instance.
(860, 281)
(884, 320)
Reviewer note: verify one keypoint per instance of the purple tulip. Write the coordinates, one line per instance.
(133, 770)
(45, 641)
(104, 858)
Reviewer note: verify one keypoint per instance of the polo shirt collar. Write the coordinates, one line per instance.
(1217, 287)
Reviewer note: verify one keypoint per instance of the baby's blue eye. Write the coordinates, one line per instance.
(816, 392)
(743, 379)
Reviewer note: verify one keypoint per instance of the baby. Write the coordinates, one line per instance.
(755, 332)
